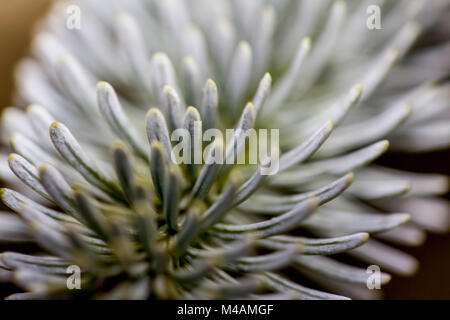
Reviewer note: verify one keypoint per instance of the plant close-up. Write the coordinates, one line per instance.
(103, 203)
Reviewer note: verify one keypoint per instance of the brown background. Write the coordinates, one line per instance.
(433, 279)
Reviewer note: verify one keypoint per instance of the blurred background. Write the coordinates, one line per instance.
(432, 281)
